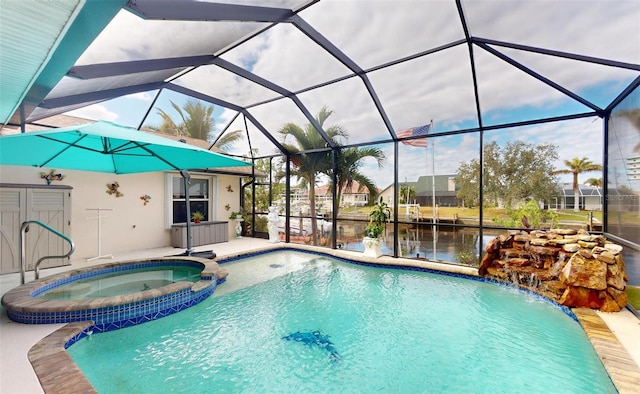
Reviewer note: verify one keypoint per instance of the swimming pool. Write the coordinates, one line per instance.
(379, 330)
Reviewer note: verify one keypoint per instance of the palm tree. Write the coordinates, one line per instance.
(595, 182)
(309, 165)
(576, 167)
(407, 193)
(168, 126)
(349, 163)
(197, 120)
(228, 139)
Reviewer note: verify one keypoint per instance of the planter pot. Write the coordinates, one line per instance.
(372, 247)
(239, 227)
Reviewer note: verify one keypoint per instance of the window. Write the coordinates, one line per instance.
(199, 194)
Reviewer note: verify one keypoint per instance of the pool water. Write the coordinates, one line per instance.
(378, 330)
(122, 282)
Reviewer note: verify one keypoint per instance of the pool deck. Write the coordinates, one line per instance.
(615, 336)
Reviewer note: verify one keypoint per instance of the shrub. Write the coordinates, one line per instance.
(377, 218)
(528, 215)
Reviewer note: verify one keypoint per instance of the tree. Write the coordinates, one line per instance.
(349, 161)
(518, 172)
(407, 194)
(228, 139)
(576, 167)
(197, 120)
(595, 182)
(467, 179)
(309, 164)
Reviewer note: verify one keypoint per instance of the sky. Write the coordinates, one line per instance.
(436, 87)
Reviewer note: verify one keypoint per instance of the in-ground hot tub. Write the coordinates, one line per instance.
(70, 296)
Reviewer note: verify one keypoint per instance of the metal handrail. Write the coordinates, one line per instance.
(23, 247)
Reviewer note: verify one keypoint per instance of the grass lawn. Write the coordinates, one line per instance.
(449, 212)
(634, 296)
(564, 216)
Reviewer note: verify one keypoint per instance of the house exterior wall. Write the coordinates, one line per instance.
(592, 203)
(388, 195)
(223, 197)
(131, 225)
(354, 199)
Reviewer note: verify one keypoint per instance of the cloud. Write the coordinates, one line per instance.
(95, 112)
(129, 37)
(142, 96)
(439, 86)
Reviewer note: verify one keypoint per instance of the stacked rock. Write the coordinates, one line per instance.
(572, 267)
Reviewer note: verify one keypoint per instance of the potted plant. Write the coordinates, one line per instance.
(197, 216)
(372, 241)
(239, 218)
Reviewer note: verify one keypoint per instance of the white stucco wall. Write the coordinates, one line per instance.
(131, 225)
(225, 197)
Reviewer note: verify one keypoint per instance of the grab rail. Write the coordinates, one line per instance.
(23, 247)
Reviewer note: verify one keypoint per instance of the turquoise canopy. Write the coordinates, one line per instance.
(112, 148)
(107, 147)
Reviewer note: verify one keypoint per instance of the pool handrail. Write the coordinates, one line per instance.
(23, 248)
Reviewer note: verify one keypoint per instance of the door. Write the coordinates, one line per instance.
(51, 206)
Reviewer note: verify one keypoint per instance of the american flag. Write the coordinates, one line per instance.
(415, 132)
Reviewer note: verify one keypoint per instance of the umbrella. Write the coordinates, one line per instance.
(111, 148)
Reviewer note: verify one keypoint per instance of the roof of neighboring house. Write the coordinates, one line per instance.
(424, 185)
(426, 182)
(400, 184)
(355, 188)
(585, 190)
(62, 120)
(46, 124)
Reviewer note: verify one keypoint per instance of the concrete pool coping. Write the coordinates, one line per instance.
(49, 359)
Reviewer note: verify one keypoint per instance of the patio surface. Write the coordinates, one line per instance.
(621, 333)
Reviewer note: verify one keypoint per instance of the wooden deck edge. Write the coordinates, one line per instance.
(620, 366)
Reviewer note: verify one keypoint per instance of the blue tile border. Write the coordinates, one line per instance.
(111, 313)
(119, 316)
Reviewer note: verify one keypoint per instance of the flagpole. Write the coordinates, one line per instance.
(433, 191)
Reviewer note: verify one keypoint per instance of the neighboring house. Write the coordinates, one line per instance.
(445, 191)
(324, 199)
(141, 218)
(590, 198)
(299, 199)
(388, 193)
(356, 196)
